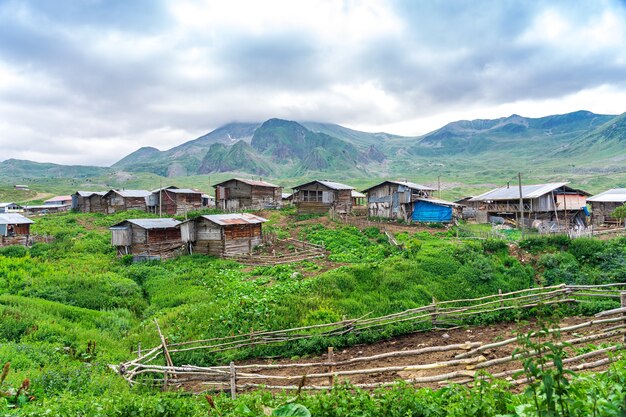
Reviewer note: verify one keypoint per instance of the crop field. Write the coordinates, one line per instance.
(70, 308)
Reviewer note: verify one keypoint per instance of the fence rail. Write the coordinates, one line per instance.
(461, 368)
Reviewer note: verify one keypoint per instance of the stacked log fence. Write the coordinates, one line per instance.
(301, 251)
(603, 342)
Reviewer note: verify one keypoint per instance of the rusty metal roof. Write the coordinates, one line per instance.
(615, 195)
(257, 183)
(235, 218)
(14, 218)
(150, 224)
(59, 199)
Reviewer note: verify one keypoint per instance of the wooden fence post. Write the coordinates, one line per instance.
(139, 349)
(501, 297)
(434, 315)
(233, 381)
(622, 299)
(166, 353)
(331, 368)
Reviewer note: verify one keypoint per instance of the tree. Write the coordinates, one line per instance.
(620, 214)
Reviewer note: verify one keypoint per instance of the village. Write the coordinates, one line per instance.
(234, 232)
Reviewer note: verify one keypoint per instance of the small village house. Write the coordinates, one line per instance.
(21, 187)
(223, 235)
(61, 200)
(14, 229)
(208, 201)
(544, 205)
(175, 201)
(603, 205)
(87, 201)
(123, 200)
(322, 196)
(11, 208)
(432, 210)
(147, 238)
(241, 194)
(393, 199)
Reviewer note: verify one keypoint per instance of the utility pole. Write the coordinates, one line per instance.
(439, 186)
(160, 198)
(521, 203)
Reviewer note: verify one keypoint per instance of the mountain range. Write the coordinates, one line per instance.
(285, 149)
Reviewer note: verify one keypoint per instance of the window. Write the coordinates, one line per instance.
(311, 195)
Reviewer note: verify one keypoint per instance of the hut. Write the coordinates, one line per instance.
(552, 203)
(122, 200)
(175, 201)
(432, 210)
(603, 204)
(241, 194)
(393, 199)
(14, 229)
(147, 238)
(11, 208)
(87, 201)
(61, 200)
(322, 196)
(223, 235)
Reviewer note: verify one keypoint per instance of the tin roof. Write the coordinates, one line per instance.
(14, 218)
(411, 185)
(235, 218)
(356, 194)
(528, 191)
(8, 204)
(59, 198)
(150, 224)
(257, 183)
(182, 191)
(131, 193)
(439, 202)
(90, 193)
(615, 195)
(330, 184)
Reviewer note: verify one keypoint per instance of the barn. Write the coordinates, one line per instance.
(223, 235)
(603, 204)
(322, 196)
(241, 194)
(147, 238)
(175, 201)
(82, 201)
(14, 229)
(393, 199)
(122, 200)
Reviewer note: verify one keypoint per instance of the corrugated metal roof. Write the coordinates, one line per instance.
(59, 199)
(90, 193)
(182, 191)
(131, 193)
(440, 202)
(411, 185)
(257, 183)
(356, 194)
(236, 218)
(14, 218)
(512, 192)
(151, 224)
(615, 195)
(8, 204)
(330, 184)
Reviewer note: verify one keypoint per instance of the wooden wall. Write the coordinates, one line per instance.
(236, 195)
(339, 200)
(229, 240)
(601, 213)
(176, 204)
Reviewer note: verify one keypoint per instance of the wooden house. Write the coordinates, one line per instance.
(87, 201)
(11, 208)
(393, 199)
(122, 200)
(319, 197)
(241, 194)
(553, 202)
(433, 210)
(147, 238)
(14, 229)
(603, 204)
(175, 201)
(223, 235)
(61, 200)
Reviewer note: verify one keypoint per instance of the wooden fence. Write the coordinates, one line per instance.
(300, 251)
(461, 368)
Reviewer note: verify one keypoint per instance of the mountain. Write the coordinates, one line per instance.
(22, 169)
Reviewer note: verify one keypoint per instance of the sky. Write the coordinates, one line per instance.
(88, 81)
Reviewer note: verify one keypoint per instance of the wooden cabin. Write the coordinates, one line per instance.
(11, 208)
(14, 229)
(122, 200)
(319, 197)
(223, 235)
(175, 201)
(393, 199)
(554, 202)
(147, 239)
(242, 194)
(87, 201)
(433, 210)
(603, 205)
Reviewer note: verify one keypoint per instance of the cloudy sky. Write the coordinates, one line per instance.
(89, 81)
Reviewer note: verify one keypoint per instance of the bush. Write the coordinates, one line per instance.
(14, 251)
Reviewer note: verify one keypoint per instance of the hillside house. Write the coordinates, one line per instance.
(319, 197)
(432, 210)
(223, 235)
(61, 200)
(241, 194)
(122, 200)
(147, 238)
(11, 208)
(88, 201)
(603, 204)
(175, 201)
(393, 199)
(553, 203)
(208, 201)
(14, 229)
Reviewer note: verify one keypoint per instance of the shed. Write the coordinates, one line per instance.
(84, 201)
(11, 208)
(147, 238)
(223, 235)
(122, 200)
(432, 210)
(175, 201)
(322, 196)
(61, 200)
(603, 204)
(14, 224)
(392, 199)
(241, 194)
